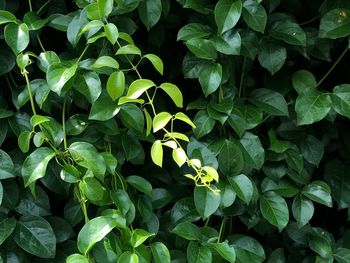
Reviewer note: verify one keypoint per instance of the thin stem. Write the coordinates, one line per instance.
(221, 229)
(25, 74)
(30, 5)
(64, 123)
(43, 6)
(40, 43)
(207, 222)
(309, 21)
(82, 201)
(333, 66)
(13, 80)
(82, 54)
(241, 82)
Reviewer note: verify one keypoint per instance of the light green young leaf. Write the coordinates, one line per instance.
(157, 153)
(161, 120)
(17, 37)
(112, 33)
(77, 258)
(99, 9)
(149, 121)
(226, 251)
(177, 135)
(156, 62)
(34, 166)
(274, 209)
(173, 92)
(116, 85)
(106, 61)
(138, 236)
(36, 120)
(6, 17)
(138, 87)
(227, 14)
(129, 50)
(183, 117)
(179, 156)
(24, 140)
(128, 257)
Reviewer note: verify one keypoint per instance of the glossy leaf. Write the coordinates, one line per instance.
(150, 12)
(226, 251)
(156, 62)
(17, 37)
(157, 153)
(303, 210)
(210, 76)
(6, 17)
(139, 183)
(202, 48)
(319, 192)
(335, 24)
(173, 92)
(341, 99)
(272, 57)
(138, 236)
(227, 14)
(58, 74)
(160, 253)
(270, 101)
(206, 201)
(242, 186)
(161, 120)
(138, 87)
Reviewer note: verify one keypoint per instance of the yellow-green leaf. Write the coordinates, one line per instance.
(161, 120)
(138, 87)
(179, 156)
(174, 93)
(157, 153)
(183, 117)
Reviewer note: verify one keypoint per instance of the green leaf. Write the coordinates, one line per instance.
(228, 43)
(254, 15)
(226, 251)
(183, 117)
(303, 210)
(276, 145)
(198, 254)
(86, 155)
(270, 101)
(335, 24)
(161, 120)
(173, 92)
(227, 14)
(337, 176)
(156, 62)
(17, 37)
(179, 156)
(210, 76)
(248, 250)
(95, 230)
(7, 168)
(34, 166)
(312, 106)
(36, 120)
(253, 152)
(204, 124)
(132, 117)
(94, 191)
(129, 50)
(277, 256)
(128, 257)
(160, 253)
(274, 209)
(22, 60)
(58, 74)
(206, 201)
(104, 108)
(139, 183)
(7, 226)
(295, 160)
(99, 9)
(341, 99)
(33, 21)
(320, 242)
(150, 12)
(35, 235)
(272, 56)
(77, 258)
(289, 32)
(187, 231)
(138, 236)
(342, 255)
(105, 61)
(24, 140)
(6, 17)
(112, 33)
(242, 186)
(193, 30)
(202, 48)
(312, 150)
(89, 85)
(230, 158)
(138, 87)
(70, 174)
(303, 80)
(319, 192)
(46, 59)
(157, 153)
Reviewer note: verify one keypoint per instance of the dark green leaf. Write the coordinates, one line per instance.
(289, 32)
(139, 183)
(335, 24)
(272, 56)
(228, 43)
(187, 231)
(89, 85)
(17, 37)
(230, 158)
(35, 235)
(150, 12)
(253, 152)
(320, 242)
(193, 30)
(132, 117)
(160, 253)
(243, 187)
(303, 210)
(206, 201)
(226, 251)
(270, 101)
(319, 192)
(104, 108)
(312, 150)
(58, 74)
(204, 124)
(227, 14)
(248, 250)
(94, 191)
(198, 254)
(24, 140)
(254, 15)
(210, 76)
(341, 99)
(202, 48)
(7, 225)
(342, 255)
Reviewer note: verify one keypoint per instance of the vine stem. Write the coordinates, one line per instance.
(40, 43)
(223, 222)
(83, 53)
(83, 204)
(25, 74)
(64, 123)
(332, 67)
(43, 6)
(242, 77)
(30, 5)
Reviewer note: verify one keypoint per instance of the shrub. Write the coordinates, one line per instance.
(101, 163)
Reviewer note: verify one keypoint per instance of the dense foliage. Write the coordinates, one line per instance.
(100, 162)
